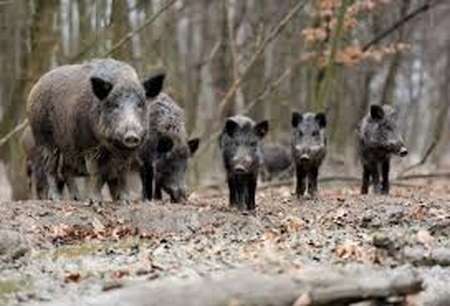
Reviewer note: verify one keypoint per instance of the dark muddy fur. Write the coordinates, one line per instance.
(240, 144)
(276, 162)
(165, 153)
(379, 138)
(308, 150)
(90, 119)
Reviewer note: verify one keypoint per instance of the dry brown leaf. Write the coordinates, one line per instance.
(293, 224)
(72, 277)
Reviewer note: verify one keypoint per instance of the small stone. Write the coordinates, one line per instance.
(380, 240)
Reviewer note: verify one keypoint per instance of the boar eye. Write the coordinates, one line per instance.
(140, 103)
(300, 133)
(112, 105)
(315, 133)
(253, 143)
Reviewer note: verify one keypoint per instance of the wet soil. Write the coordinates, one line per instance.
(67, 250)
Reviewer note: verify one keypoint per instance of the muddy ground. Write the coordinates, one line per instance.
(69, 250)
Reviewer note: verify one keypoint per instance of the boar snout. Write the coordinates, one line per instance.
(302, 153)
(403, 151)
(304, 157)
(242, 165)
(131, 139)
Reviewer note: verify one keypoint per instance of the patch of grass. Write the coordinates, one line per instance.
(75, 251)
(11, 286)
(86, 249)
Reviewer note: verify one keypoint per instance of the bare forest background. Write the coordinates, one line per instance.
(264, 58)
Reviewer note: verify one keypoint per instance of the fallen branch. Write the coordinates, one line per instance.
(21, 126)
(422, 257)
(423, 176)
(245, 288)
(348, 291)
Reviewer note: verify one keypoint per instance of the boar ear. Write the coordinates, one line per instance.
(376, 112)
(100, 87)
(296, 119)
(165, 144)
(193, 145)
(154, 85)
(321, 119)
(231, 127)
(262, 128)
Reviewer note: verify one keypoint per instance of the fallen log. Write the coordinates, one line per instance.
(247, 288)
(420, 256)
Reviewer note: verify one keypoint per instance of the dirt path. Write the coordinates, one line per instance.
(67, 250)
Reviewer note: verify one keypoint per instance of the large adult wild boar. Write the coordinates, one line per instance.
(91, 118)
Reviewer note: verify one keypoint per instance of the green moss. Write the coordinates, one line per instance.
(74, 251)
(11, 286)
(86, 249)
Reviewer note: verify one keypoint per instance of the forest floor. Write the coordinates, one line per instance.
(68, 251)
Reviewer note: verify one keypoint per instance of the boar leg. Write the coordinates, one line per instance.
(241, 191)
(60, 184)
(39, 182)
(146, 173)
(385, 167)
(365, 180)
(301, 184)
(158, 190)
(118, 188)
(53, 192)
(232, 191)
(312, 181)
(96, 179)
(53, 188)
(375, 173)
(251, 186)
(96, 183)
(72, 187)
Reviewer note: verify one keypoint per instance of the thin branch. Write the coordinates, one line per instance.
(424, 158)
(130, 35)
(13, 132)
(324, 83)
(400, 23)
(275, 84)
(272, 35)
(268, 90)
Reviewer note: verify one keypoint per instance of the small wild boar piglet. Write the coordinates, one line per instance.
(276, 162)
(379, 139)
(91, 118)
(240, 144)
(165, 153)
(308, 149)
